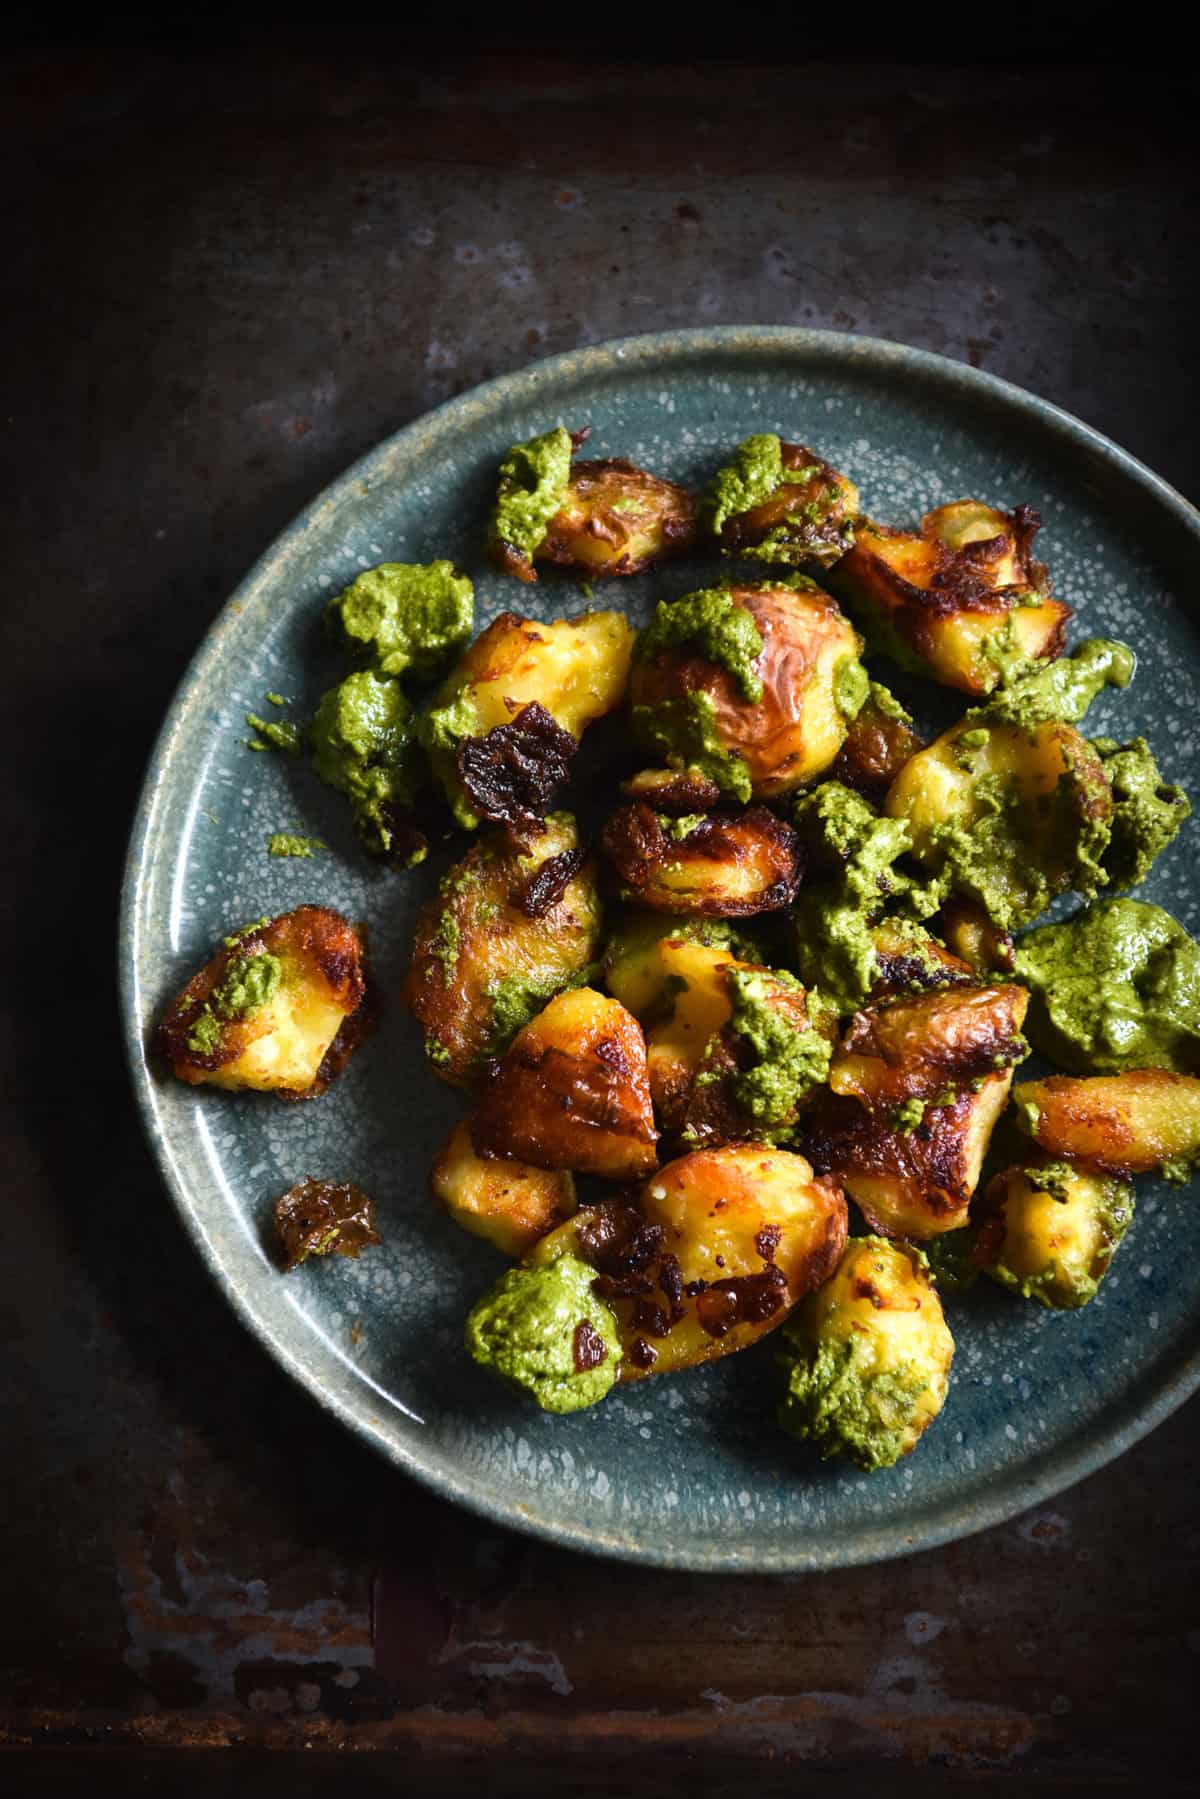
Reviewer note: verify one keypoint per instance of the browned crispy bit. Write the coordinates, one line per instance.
(672, 791)
(877, 746)
(910, 1046)
(320, 1218)
(728, 865)
(1121, 1123)
(617, 519)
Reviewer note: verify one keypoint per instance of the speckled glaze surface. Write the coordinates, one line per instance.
(691, 1471)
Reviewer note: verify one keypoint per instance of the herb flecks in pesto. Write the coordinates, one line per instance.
(788, 1059)
(277, 734)
(287, 843)
(1060, 690)
(248, 984)
(720, 630)
(683, 734)
(409, 617)
(1147, 810)
(363, 744)
(533, 481)
(528, 1331)
(750, 478)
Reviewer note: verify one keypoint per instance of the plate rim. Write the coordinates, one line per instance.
(1014, 1491)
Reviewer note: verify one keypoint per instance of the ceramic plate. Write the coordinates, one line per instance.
(687, 1471)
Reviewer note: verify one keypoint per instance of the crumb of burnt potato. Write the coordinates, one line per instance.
(320, 1218)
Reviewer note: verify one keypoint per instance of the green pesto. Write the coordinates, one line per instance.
(1147, 810)
(851, 687)
(1115, 987)
(1003, 650)
(788, 1061)
(834, 1400)
(908, 1116)
(279, 733)
(534, 477)
(1108, 1206)
(853, 853)
(446, 943)
(683, 826)
(363, 744)
(1060, 690)
(951, 1258)
(452, 719)
(277, 699)
(515, 999)
(884, 702)
(246, 930)
(749, 479)
(248, 984)
(720, 630)
(410, 617)
(287, 843)
(683, 734)
(524, 1330)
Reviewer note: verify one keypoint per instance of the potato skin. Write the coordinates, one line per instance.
(511, 1204)
(970, 933)
(305, 1035)
(912, 1045)
(572, 1092)
(917, 1183)
(477, 942)
(1120, 1123)
(946, 596)
(795, 731)
(617, 519)
(1050, 1231)
(722, 1245)
(729, 865)
(878, 744)
(815, 517)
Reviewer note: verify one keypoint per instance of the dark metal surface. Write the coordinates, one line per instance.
(227, 278)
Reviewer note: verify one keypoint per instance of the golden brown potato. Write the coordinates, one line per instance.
(909, 960)
(721, 865)
(779, 502)
(672, 790)
(617, 520)
(878, 744)
(914, 1045)
(726, 1242)
(1007, 815)
(693, 1007)
(694, 713)
(1049, 1230)
(1120, 1123)
(280, 1008)
(909, 1179)
(970, 933)
(962, 600)
(506, 932)
(510, 1203)
(503, 728)
(572, 1092)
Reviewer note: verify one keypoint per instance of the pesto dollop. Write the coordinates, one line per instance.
(287, 843)
(722, 631)
(544, 1330)
(1060, 690)
(1114, 988)
(683, 734)
(533, 481)
(786, 1060)
(1147, 810)
(853, 852)
(410, 616)
(248, 984)
(363, 744)
(441, 730)
(750, 478)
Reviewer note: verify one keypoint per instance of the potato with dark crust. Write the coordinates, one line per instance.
(508, 930)
(911, 1046)
(1127, 1123)
(615, 519)
(511, 1204)
(503, 727)
(962, 600)
(909, 1178)
(762, 725)
(970, 933)
(878, 744)
(722, 1245)
(280, 1008)
(779, 502)
(674, 791)
(718, 865)
(572, 1092)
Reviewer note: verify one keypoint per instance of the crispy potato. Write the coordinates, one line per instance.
(280, 1008)
(878, 744)
(719, 865)
(1007, 815)
(727, 1240)
(507, 930)
(913, 1181)
(912, 1046)
(572, 1092)
(812, 686)
(1049, 1230)
(636, 974)
(807, 518)
(696, 1004)
(909, 960)
(510, 1203)
(868, 1356)
(490, 733)
(673, 791)
(971, 935)
(617, 520)
(962, 600)
(1120, 1123)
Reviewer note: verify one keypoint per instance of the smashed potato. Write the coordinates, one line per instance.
(572, 1092)
(879, 742)
(779, 502)
(507, 931)
(1049, 1230)
(280, 1008)
(1120, 1123)
(720, 865)
(912, 1046)
(512, 1204)
(615, 519)
(962, 600)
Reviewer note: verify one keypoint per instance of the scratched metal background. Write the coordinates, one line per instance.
(224, 278)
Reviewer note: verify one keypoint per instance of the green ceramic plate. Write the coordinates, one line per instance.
(687, 1472)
